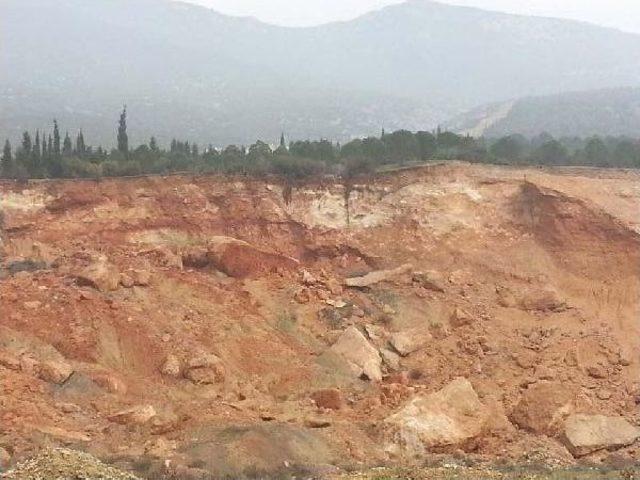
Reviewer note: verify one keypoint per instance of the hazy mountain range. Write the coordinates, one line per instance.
(595, 112)
(189, 72)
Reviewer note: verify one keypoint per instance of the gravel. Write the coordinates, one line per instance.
(63, 464)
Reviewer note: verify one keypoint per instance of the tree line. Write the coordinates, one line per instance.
(43, 155)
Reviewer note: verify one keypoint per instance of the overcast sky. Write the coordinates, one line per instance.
(623, 14)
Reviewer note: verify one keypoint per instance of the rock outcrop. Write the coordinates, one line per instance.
(544, 407)
(451, 416)
(376, 277)
(409, 341)
(100, 275)
(361, 357)
(584, 434)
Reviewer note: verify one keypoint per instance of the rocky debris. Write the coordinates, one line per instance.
(450, 416)
(171, 366)
(5, 458)
(315, 422)
(431, 280)
(240, 259)
(506, 298)
(66, 436)
(597, 371)
(460, 318)
(308, 278)
(584, 434)
(135, 278)
(9, 361)
(68, 407)
(100, 275)
(63, 464)
(330, 398)
(409, 341)
(334, 317)
(302, 296)
(140, 277)
(165, 257)
(376, 277)
(126, 281)
(542, 300)
(205, 369)
(390, 359)
(110, 382)
(54, 371)
(137, 415)
(333, 286)
(543, 408)
(361, 357)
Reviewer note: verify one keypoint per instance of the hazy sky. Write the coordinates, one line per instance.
(623, 14)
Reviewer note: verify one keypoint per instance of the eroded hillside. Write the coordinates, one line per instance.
(179, 326)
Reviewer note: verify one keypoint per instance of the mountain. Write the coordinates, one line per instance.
(191, 72)
(613, 112)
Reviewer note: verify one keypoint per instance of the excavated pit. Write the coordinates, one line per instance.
(207, 324)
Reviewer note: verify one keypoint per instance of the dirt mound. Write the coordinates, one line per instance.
(185, 326)
(62, 464)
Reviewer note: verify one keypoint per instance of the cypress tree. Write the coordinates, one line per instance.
(36, 146)
(27, 145)
(123, 139)
(56, 139)
(282, 141)
(67, 146)
(44, 147)
(7, 160)
(35, 155)
(80, 146)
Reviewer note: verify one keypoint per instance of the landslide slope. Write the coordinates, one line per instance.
(183, 326)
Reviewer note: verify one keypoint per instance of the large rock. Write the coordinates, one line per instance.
(431, 280)
(361, 357)
(137, 415)
(451, 416)
(171, 366)
(54, 371)
(544, 407)
(100, 275)
(409, 341)
(377, 276)
(584, 434)
(542, 300)
(240, 259)
(205, 369)
(330, 398)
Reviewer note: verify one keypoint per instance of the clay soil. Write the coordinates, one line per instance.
(545, 263)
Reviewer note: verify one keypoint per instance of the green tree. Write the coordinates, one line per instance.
(27, 144)
(550, 153)
(56, 139)
(123, 138)
(67, 146)
(427, 145)
(596, 152)
(81, 148)
(401, 146)
(153, 144)
(7, 161)
(626, 154)
(510, 148)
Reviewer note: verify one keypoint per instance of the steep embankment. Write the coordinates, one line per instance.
(181, 325)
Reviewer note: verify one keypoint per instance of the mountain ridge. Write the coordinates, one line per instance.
(191, 72)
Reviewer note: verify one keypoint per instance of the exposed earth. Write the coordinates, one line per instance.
(181, 327)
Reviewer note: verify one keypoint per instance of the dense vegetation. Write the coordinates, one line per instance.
(51, 156)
